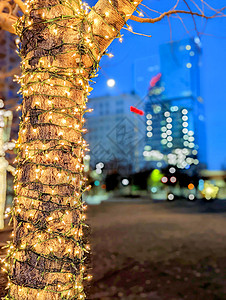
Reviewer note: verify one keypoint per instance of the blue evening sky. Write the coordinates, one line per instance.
(135, 49)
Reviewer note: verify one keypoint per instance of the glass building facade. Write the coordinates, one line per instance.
(115, 134)
(175, 129)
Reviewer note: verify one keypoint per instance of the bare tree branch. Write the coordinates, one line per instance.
(193, 18)
(7, 18)
(7, 21)
(171, 12)
(21, 5)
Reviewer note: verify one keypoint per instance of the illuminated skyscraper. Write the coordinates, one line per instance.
(175, 131)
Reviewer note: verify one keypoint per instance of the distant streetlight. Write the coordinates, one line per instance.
(111, 83)
(125, 181)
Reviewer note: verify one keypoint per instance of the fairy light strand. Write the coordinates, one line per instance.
(48, 211)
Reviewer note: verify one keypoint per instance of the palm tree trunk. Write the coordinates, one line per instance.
(61, 45)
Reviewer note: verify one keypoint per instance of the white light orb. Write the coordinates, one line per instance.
(170, 197)
(190, 132)
(188, 47)
(184, 118)
(189, 65)
(174, 108)
(184, 111)
(145, 153)
(194, 152)
(125, 181)
(191, 197)
(191, 145)
(111, 82)
(149, 134)
(164, 179)
(98, 171)
(172, 170)
(173, 179)
(185, 151)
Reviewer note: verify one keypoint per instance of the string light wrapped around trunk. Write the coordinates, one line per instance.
(61, 45)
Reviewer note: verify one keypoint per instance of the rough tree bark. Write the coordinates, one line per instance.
(61, 45)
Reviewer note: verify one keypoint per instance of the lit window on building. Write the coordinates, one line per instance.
(167, 114)
(194, 152)
(157, 109)
(174, 108)
(189, 65)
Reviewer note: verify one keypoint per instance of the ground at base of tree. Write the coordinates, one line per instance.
(156, 251)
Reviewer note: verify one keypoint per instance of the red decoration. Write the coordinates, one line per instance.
(155, 79)
(136, 110)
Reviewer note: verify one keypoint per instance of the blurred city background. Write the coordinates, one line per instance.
(157, 152)
(157, 126)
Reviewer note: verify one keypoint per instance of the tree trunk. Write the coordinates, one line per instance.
(61, 45)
